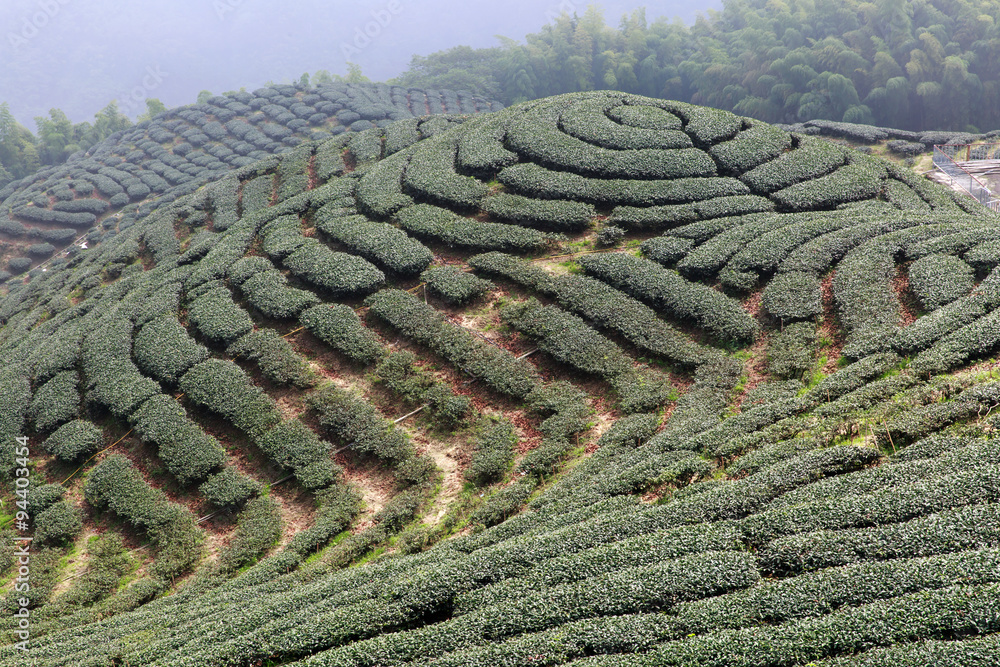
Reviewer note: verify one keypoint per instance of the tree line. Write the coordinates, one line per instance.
(910, 64)
(23, 153)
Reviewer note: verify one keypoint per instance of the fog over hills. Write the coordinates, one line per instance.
(77, 56)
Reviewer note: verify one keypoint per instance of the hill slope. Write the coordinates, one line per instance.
(759, 440)
(180, 150)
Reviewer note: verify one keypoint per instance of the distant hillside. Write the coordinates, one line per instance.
(593, 380)
(132, 172)
(914, 65)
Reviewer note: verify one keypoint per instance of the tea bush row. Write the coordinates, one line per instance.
(599, 303)
(443, 226)
(667, 291)
(421, 323)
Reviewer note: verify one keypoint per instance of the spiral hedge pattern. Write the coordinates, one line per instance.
(758, 430)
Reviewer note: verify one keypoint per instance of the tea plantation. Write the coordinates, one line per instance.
(105, 190)
(593, 380)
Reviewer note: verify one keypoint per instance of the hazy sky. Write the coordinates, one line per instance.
(77, 55)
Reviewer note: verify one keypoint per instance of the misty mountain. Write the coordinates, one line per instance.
(78, 56)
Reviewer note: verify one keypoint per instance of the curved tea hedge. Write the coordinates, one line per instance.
(157, 161)
(596, 380)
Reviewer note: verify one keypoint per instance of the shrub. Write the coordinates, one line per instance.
(568, 339)
(41, 249)
(666, 290)
(937, 280)
(599, 303)
(763, 251)
(656, 128)
(257, 193)
(418, 321)
(12, 228)
(721, 241)
(401, 134)
(922, 421)
(945, 532)
(186, 451)
(341, 275)
(294, 446)
(108, 561)
(56, 402)
(276, 358)
(505, 503)
(645, 117)
(706, 125)
(447, 408)
(431, 175)
(46, 216)
(378, 242)
(248, 267)
(380, 191)
(985, 255)
(229, 488)
(270, 294)
(443, 226)
(454, 285)
(860, 179)
(339, 327)
(540, 140)
(958, 611)
(867, 306)
(553, 214)
(793, 296)
(61, 236)
(750, 148)
(366, 146)
(865, 134)
(853, 377)
(164, 350)
(610, 236)
(971, 341)
(74, 440)
(493, 455)
(532, 180)
(221, 386)
(18, 265)
(40, 498)
(259, 527)
(117, 485)
(113, 380)
(905, 148)
(58, 524)
(282, 236)
(356, 422)
(218, 318)
(931, 447)
(398, 371)
(813, 158)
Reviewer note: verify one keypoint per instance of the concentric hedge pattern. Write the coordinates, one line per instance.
(780, 454)
(130, 174)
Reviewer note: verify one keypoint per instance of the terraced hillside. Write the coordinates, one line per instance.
(98, 193)
(593, 380)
